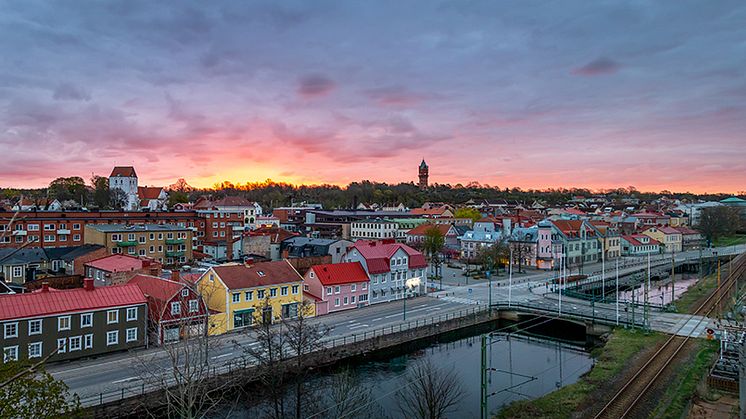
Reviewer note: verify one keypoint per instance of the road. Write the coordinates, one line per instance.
(111, 373)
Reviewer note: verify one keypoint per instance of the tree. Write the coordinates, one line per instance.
(176, 197)
(429, 393)
(117, 198)
(716, 222)
(466, 212)
(66, 188)
(432, 245)
(101, 195)
(28, 391)
(347, 398)
(494, 256)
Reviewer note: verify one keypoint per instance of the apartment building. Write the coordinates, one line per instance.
(167, 243)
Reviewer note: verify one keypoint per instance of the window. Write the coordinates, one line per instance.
(364, 297)
(63, 323)
(352, 299)
(249, 295)
(141, 239)
(284, 291)
(17, 271)
(151, 249)
(176, 308)
(365, 286)
(185, 292)
(141, 252)
(336, 289)
(32, 227)
(34, 327)
(76, 226)
(61, 345)
(353, 287)
(295, 289)
(112, 316)
(260, 294)
(10, 353)
(88, 341)
(152, 236)
(131, 237)
(236, 297)
(49, 227)
(131, 313)
(132, 334)
(273, 292)
(336, 302)
(112, 338)
(116, 237)
(345, 301)
(193, 306)
(75, 343)
(11, 330)
(76, 237)
(329, 291)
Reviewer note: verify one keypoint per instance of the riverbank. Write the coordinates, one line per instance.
(623, 347)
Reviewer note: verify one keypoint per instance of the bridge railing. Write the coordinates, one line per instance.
(600, 316)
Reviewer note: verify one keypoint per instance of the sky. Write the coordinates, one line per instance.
(533, 94)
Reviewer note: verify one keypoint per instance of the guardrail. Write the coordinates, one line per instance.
(600, 316)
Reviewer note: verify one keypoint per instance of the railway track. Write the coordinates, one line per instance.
(626, 401)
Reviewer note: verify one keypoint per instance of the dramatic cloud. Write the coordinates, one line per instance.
(524, 94)
(597, 67)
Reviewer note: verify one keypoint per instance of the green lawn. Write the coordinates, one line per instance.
(730, 240)
(691, 298)
(610, 360)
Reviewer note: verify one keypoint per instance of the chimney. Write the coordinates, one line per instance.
(45, 287)
(176, 275)
(88, 284)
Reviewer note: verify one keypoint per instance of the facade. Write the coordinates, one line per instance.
(118, 269)
(175, 310)
(647, 219)
(166, 243)
(124, 178)
(337, 287)
(639, 245)
(38, 204)
(152, 198)
(417, 235)
(81, 322)
(20, 266)
(237, 294)
(395, 270)
(523, 243)
(577, 241)
(63, 229)
(423, 173)
(610, 240)
(670, 238)
(690, 239)
(265, 241)
(374, 229)
(303, 247)
(227, 217)
(484, 233)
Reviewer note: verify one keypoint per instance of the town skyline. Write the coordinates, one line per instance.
(532, 97)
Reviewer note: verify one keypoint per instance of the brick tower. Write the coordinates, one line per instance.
(424, 171)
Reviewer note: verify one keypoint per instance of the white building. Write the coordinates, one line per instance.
(374, 229)
(124, 178)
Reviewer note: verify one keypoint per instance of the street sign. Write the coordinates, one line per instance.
(470, 291)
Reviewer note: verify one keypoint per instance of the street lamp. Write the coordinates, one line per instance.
(408, 285)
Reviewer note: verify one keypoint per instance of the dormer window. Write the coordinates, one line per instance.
(260, 273)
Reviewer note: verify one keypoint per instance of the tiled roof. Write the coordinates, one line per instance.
(159, 289)
(125, 171)
(228, 201)
(117, 263)
(422, 229)
(430, 211)
(238, 276)
(378, 254)
(635, 240)
(38, 304)
(277, 234)
(148, 192)
(340, 273)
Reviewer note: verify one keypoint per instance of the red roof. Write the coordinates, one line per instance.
(228, 201)
(159, 289)
(118, 263)
(635, 240)
(422, 229)
(428, 211)
(686, 231)
(148, 192)
(238, 276)
(340, 273)
(125, 171)
(277, 234)
(377, 255)
(37, 304)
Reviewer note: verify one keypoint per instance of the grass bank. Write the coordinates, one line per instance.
(610, 360)
(730, 240)
(694, 295)
(677, 396)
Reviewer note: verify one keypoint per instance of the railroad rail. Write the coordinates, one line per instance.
(629, 397)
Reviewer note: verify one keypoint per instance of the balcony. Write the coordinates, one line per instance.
(126, 243)
(174, 253)
(63, 231)
(174, 241)
(19, 232)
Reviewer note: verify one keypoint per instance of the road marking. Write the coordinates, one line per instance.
(358, 326)
(252, 344)
(377, 319)
(228, 354)
(124, 380)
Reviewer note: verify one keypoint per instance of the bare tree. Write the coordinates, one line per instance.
(348, 398)
(429, 393)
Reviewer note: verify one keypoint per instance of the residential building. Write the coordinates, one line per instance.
(416, 236)
(18, 267)
(175, 309)
(119, 269)
(302, 247)
(395, 269)
(152, 198)
(227, 217)
(690, 238)
(373, 229)
(124, 179)
(82, 322)
(71, 260)
(337, 287)
(166, 243)
(486, 232)
(436, 212)
(63, 229)
(37, 204)
(523, 243)
(670, 238)
(265, 242)
(610, 239)
(240, 295)
(639, 245)
(647, 219)
(578, 241)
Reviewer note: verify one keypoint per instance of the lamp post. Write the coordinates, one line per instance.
(510, 278)
(408, 285)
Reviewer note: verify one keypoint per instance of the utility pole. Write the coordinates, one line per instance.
(616, 299)
(510, 279)
(673, 277)
(646, 305)
(603, 274)
(720, 297)
(483, 381)
(742, 377)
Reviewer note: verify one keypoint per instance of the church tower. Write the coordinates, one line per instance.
(424, 171)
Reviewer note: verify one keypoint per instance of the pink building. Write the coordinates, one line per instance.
(337, 287)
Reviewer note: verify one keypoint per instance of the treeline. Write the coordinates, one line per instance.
(271, 194)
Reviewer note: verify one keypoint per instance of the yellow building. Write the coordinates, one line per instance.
(238, 294)
(669, 237)
(166, 243)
